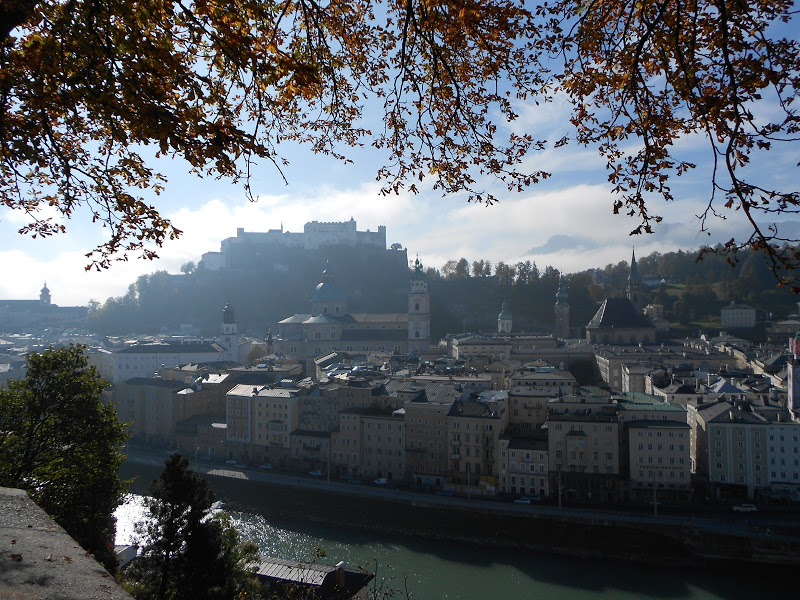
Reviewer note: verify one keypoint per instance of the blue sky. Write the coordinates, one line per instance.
(566, 222)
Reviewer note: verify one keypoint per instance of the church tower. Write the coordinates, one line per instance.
(419, 311)
(229, 333)
(504, 320)
(635, 284)
(793, 397)
(44, 294)
(561, 328)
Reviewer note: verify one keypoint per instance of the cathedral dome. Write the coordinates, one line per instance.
(328, 290)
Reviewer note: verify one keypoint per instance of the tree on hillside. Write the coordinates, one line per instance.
(431, 274)
(462, 269)
(85, 84)
(505, 274)
(59, 442)
(448, 269)
(187, 552)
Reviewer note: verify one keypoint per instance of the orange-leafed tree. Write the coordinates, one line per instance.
(645, 76)
(85, 85)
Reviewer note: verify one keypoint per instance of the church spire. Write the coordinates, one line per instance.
(634, 274)
(634, 283)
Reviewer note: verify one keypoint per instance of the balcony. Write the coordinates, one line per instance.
(455, 456)
(455, 443)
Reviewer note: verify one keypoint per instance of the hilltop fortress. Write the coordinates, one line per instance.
(315, 235)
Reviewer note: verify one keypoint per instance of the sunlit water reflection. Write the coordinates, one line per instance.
(439, 570)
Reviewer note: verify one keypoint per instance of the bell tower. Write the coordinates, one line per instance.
(44, 294)
(561, 310)
(419, 311)
(229, 333)
(504, 320)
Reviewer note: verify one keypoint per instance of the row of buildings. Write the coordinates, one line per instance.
(541, 433)
(365, 396)
(368, 396)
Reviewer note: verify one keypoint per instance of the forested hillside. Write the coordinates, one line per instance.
(465, 296)
(261, 295)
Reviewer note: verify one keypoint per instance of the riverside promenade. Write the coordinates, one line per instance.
(690, 535)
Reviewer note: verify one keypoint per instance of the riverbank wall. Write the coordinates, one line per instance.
(586, 537)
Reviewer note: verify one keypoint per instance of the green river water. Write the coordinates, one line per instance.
(431, 570)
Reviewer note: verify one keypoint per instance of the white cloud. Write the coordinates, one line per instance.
(69, 283)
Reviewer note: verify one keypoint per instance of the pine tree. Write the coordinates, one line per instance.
(188, 552)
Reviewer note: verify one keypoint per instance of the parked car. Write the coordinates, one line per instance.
(265, 467)
(522, 500)
(381, 481)
(230, 461)
(745, 508)
(315, 473)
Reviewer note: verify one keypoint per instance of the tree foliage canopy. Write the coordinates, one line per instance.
(59, 442)
(85, 84)
(642, 76)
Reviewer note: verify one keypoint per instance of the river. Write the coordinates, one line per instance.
(438, 570)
